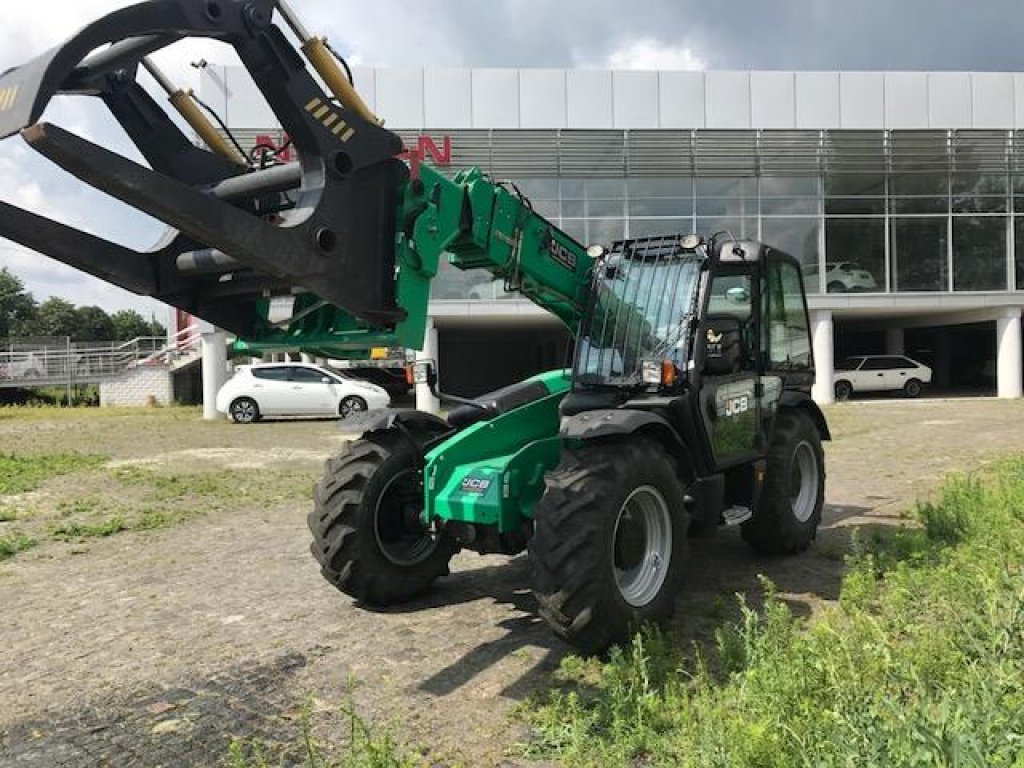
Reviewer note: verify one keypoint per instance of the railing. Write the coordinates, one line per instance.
(184, 343)
(61, 362)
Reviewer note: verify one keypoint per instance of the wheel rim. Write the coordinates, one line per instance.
(913, 389)
(642, 546)
(244, 411)
(804, 482)
(396, 521)
(351, 405)
(843, 391)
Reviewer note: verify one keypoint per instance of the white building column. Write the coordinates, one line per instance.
(823, 390)
(425, 400)
(894, 341)
(1008, 353)
(214, 367)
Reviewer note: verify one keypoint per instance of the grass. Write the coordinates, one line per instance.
(363, 747)
(19, 474)
(920, 663)
(13, 543)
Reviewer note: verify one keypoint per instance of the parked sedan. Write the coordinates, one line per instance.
(880, 373)
(295, 389)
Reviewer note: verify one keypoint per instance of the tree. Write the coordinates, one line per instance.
(129, 324)
(93, 324)
(17, 306)
(55, 317)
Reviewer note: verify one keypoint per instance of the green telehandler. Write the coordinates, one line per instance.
(687, 406)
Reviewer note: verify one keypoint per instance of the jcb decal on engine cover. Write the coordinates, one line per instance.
(562, 255)
(330, 119)
(734, 398)
(475, 484)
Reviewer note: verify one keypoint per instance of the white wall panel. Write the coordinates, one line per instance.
(681, 99)
(495, 98)
(447, 98)
(246, 107)
(588, 98)
(949, 100)
(635, 99)
(906, 99)
(400, 97)
(727, 99)
(862, 100)
(366, 83)
(992, 100)
(542, 98)
(817, 99)
(1018, 101)
(772, 100)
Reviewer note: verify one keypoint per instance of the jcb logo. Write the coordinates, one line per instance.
(734, 406)
(475, 484)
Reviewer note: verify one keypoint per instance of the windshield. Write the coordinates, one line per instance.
(641, 303)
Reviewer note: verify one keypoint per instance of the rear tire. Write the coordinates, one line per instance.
(843, 390)
(787, 518)
(364, 521)
(912, 388)
(610, 518)
(244, 410)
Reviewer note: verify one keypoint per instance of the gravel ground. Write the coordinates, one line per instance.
(157, 647)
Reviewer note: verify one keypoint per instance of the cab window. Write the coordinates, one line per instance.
(788, 335)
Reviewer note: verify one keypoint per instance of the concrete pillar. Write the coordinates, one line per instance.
(823, 390)
(215, 367)
(894, 344)
(425, 400)
(308, 359)
(1008, 353)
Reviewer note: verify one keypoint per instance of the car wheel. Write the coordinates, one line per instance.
(912, 388)
(351, 405)
(843, 390)
(836, 287)
(244, 410)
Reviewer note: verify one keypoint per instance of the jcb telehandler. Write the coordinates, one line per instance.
(687, 406)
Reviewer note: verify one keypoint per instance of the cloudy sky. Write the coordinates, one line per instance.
(641, 34)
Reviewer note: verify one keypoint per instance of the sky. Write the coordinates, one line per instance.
(641, 34)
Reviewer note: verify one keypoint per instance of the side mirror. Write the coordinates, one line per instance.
(738, 295)
(326, 380)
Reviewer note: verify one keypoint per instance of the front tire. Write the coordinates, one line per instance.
(351, 405)
(244, 410)
(912, 388)
(787, 517)
(367, 536)
(609, 542)
(843, 390)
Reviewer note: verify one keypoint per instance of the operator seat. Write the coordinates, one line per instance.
(497, 402)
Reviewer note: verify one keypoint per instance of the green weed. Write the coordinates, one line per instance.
(13, 543)
(102, 529)
(920, 663)
(19, 474)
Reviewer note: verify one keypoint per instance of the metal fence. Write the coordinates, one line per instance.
(28, 362)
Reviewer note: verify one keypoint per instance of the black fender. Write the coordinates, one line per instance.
(617, 422)
(419, 426)
(796, 399)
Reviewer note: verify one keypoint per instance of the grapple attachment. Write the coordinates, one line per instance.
(239, 232)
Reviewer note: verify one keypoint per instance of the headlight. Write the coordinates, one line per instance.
(650, 371)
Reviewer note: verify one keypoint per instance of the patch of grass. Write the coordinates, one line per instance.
(13, 543)
(7, 514)
(105, 528)
(364, 747)
(920, 663)
(19, 474)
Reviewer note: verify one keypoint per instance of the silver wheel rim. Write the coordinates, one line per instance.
(804, 482)
(640, 579)
(397, 544)
(351, 405)
(913, 389)
(244, 411)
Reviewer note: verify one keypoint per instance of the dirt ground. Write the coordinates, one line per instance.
(157, 647)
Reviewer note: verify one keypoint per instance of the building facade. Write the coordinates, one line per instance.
(901, 193)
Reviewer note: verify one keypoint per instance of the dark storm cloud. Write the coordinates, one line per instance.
(788, 34)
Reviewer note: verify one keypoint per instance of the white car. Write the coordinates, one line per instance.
(295, 389)
(880, 373)
(843, 276)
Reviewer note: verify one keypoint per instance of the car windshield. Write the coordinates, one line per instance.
(641, 303)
